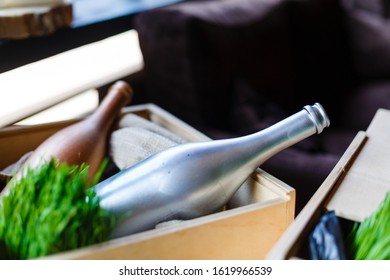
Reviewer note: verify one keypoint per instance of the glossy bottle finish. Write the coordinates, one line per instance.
(196, 179)
(84, 141)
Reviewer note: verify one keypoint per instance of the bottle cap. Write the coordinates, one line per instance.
(318, 116)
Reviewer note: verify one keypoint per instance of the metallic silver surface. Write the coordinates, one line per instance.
(319, 116)
(195, 179)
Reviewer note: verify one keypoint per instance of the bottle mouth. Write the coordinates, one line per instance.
(318, 116)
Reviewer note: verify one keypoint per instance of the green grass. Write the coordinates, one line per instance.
(49, 210)
(371, 238)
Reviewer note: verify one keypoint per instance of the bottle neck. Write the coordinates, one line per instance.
(264, 144)
(117, 97)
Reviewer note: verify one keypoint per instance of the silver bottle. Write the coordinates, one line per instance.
(196, 179)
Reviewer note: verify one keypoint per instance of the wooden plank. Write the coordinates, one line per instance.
(355, 187)
(37, 86)
(296, 235)
(247, 232)
(26, 21)
(368, 180)
(72, 108)
(21, 3)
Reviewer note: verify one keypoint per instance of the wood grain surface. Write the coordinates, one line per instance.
(40, 20)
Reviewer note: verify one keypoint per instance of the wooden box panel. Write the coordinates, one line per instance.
(354, 188)
(247, 231)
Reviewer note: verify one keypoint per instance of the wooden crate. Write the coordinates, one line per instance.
(247, 231)
(354, 188)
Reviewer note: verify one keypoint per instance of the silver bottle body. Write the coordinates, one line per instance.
(197, 179)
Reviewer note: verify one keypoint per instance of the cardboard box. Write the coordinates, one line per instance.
(247, 231)
(354, 188)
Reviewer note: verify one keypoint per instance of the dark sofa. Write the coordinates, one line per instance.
(232, 67)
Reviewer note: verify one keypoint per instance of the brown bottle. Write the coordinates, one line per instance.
(85, 141)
